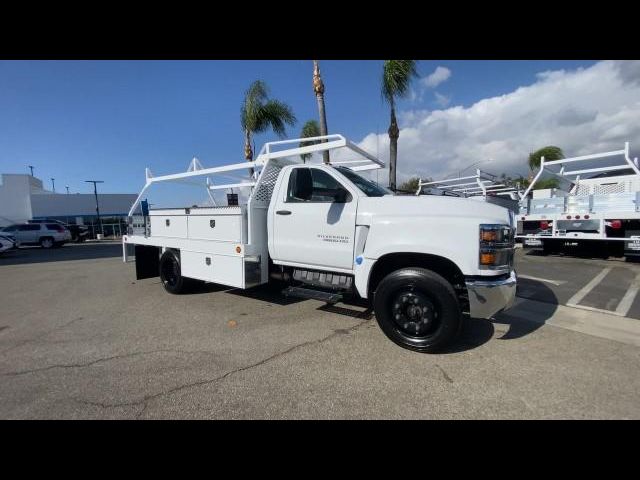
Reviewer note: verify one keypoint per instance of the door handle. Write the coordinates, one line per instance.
(284, 212)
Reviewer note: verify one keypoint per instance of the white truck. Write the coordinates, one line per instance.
(596, 206)
(330, 233)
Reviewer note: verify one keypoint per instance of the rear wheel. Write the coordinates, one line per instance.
(418, 309)
(46, 242)
(170, 273)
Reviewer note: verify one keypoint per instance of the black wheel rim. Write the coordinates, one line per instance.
(415, 313)
(170, 272)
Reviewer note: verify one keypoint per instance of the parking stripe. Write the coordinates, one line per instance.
(594, 309)
(557, 283)
(625, 304)
(584, 291)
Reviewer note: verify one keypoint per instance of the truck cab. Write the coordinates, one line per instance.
(329, 233)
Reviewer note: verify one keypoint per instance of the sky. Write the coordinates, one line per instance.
(108, 120)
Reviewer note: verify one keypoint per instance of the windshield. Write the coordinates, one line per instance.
(369, 188)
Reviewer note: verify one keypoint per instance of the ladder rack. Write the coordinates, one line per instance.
(482, 183)
(270, 151)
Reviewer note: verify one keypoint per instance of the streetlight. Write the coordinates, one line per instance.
(53, 183)
(67, 187)
(472, 165)
(466, 168)
(95, 192)
(31, 167)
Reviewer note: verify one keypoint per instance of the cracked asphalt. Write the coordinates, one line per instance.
(80, 338)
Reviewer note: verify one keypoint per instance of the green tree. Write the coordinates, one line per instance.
(546, 183)
(309, 129)
(549, 153)
(259, 113)
(411, 185)
(396, 79)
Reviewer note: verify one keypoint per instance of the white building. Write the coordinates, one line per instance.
(23, 197)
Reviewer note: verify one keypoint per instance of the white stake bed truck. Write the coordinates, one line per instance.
(330, 233)
(598, 207)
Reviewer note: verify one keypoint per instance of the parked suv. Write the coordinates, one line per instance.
(79, 233)
(46, 235)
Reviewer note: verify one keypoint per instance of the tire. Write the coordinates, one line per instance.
(47, 242)
(411, 326)
(171, 276)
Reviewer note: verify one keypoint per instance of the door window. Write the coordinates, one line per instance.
(315, 186)
(29, 228)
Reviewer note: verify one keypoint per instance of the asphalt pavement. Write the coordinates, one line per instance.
(81, 338)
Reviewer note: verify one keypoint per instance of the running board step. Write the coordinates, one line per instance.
(300, 292)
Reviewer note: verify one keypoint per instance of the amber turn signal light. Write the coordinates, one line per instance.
(487, 258)
(489, 235)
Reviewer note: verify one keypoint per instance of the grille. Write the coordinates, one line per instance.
(267, 182)
(608, 188)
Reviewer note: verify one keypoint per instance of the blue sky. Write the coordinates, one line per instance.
(108, 120)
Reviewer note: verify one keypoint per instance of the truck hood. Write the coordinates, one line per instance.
(376, 209)
(439, 226)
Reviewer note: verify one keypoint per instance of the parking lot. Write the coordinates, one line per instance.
(81, 338)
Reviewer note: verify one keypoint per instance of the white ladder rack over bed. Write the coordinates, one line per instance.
(482, 183)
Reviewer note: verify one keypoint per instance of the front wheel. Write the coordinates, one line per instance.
(418, 309)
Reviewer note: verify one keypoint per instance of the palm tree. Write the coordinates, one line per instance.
(310, 129)
(549, 153)
(318, 88)
(259, 112)
(396, 78)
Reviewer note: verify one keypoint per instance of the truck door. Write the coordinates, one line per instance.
(314, 220)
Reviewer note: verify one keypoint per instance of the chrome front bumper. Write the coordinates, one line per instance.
(489, 297)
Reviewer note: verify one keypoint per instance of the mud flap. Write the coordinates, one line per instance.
(147, 262)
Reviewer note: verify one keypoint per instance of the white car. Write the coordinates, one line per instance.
(46, 235)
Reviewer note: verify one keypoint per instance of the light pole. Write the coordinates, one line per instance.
(95, 192)
(472, 165)
(53, 184)
(67, 187)
(31, 167)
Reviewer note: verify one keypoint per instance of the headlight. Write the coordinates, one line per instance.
(496, 247)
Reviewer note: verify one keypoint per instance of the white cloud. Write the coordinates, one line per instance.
(440, 74)
(442, 100)
(583, 111)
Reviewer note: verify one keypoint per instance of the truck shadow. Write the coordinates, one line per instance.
(524, 318)
(270, 293)
(535, 304)
(587, 252)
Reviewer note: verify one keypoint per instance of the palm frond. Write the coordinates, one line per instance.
(274, 114)
(396, 78)
(254, 97)
(549, 153)
(310, 129)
